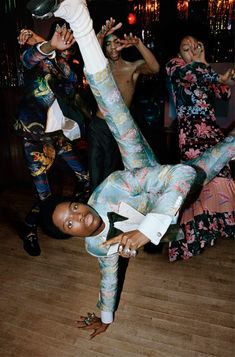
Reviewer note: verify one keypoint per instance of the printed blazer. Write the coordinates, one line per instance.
(45, 80)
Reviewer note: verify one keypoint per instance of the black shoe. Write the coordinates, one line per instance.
(43, 9)
(31, 245)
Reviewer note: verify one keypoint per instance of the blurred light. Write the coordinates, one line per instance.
(131, 19)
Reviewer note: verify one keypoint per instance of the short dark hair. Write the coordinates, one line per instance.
(47, 208)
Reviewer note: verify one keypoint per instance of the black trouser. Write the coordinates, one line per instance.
(104, 155)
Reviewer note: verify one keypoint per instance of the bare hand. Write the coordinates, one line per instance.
(92, 322)
(199, 53)
(108, 29)
(62, 39)
(29, 37)
(128, 41)
(228, 77)
(129, 242)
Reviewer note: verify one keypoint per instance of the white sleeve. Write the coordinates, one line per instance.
(154, 226)
(106, 317)
(51, 54)
(78, 17)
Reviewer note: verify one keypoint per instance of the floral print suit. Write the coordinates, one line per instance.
(144, 184)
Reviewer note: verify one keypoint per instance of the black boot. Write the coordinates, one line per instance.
(30, 240)
(43, 9)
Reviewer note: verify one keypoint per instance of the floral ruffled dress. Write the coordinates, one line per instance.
(212, 214)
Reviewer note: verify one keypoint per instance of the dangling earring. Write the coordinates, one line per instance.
(179, 55)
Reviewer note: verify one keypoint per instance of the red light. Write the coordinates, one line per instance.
(131, 18)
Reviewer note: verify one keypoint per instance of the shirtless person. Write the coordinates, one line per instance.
(104, 155)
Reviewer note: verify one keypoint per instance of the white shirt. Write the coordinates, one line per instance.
(153, 225)
(55, 118)
(57, 121)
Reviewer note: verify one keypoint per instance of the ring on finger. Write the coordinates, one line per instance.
(87, 321)
(133, 253)
(127, 251)
(120, 248)
(89, 318)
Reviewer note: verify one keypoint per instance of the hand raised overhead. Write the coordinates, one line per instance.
(108, 29)
(29, 37)
(128, 41)
(62, 38)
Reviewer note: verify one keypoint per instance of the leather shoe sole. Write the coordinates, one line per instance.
(43, 8)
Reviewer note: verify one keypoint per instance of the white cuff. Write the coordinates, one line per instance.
(51, 54)
(154, 226)
(106, 317)
(93, 56)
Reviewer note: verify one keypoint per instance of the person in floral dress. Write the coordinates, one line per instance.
(195, 86)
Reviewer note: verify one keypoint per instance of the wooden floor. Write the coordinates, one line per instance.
(183, 309)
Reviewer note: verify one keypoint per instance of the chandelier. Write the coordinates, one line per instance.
(220, 14)
(182, 9)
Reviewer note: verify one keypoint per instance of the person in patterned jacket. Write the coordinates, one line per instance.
(49, 81)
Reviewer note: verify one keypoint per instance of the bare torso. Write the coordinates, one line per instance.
(126, 76)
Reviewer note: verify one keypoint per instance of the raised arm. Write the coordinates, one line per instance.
(227, 78)
(29, 37)
(148, 64)
(177, 69)
(61, 40)
(107, 29)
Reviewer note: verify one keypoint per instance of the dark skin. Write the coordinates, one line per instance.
(61, 40)
(132, 240)
(29, 37)
(77, 219)
(125, 73)
(81, 220)
(97, 325)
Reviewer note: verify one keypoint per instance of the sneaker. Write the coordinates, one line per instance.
(43, 9)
